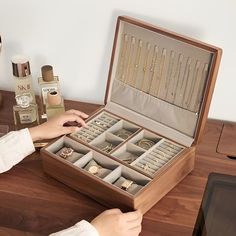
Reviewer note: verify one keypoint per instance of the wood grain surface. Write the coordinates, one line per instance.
(32, 203)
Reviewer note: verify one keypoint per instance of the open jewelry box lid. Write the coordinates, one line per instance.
(161, 80)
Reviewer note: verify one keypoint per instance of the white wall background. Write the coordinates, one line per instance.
(76, 36)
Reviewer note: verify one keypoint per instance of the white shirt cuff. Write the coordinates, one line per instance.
(14, 147)
(82, 228)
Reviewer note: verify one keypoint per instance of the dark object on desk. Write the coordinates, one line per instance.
(227, 139)
(217, 213)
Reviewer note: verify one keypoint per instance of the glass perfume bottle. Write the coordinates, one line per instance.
(47, 83)
(22, 76)
(25, 112)
(54, 104)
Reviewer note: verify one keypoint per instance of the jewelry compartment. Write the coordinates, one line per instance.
(81, 174)
(99, 166)
(158, 95)
(124, 129)
(128, 153)
(96, 126)
(126, 180)
(145, 140)
(158, 157)
(76, 153)
(106, 142)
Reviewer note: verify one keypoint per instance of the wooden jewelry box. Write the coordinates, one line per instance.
(141, 144)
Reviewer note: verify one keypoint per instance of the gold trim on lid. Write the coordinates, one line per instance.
(47, 73)
(20, 66)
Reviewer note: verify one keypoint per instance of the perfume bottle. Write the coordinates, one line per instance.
(22, 76)
(54, 104)
(25, 113)
(47, 83)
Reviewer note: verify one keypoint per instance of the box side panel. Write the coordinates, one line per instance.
(162, 184)
(108, 196)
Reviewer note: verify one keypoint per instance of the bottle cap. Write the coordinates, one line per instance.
(53, 98)
(24, 100)
(47, 73)
(20, 66)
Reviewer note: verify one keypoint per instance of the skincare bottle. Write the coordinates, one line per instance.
(25, 113)
(22, 76)
(47, 83)
(54, 104)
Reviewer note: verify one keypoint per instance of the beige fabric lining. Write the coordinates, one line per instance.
(154, 108)
(150, 124)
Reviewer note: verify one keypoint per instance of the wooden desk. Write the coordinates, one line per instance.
(32, 203)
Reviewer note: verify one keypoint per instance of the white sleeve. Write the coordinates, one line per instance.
(14, 147)
(82, 228)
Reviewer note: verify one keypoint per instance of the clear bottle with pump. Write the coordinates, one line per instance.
(25, 113)
(47, 83)
(22, 76)
(54, 104)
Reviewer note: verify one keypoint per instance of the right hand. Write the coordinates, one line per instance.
(114, 222)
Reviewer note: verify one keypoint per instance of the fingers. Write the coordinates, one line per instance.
(73, 117)
(134, 224)
(78, 113)
(69, 130)
(135, 231)
(133, 216)
(133, 219)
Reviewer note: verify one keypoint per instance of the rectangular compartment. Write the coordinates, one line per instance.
(106, 142)
(78, 150)
(145, 140)
(128, 153)
(123, 180)
(124, 129)
(95, 127)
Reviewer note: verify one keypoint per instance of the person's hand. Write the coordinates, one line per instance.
(54, 127)
(114, 222)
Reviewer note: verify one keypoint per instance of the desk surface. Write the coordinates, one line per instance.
(32, 203)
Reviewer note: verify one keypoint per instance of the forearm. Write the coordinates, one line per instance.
(35, 133)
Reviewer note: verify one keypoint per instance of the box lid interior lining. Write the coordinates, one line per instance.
(159, 77)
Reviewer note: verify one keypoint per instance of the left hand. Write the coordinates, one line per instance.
(55, 126)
